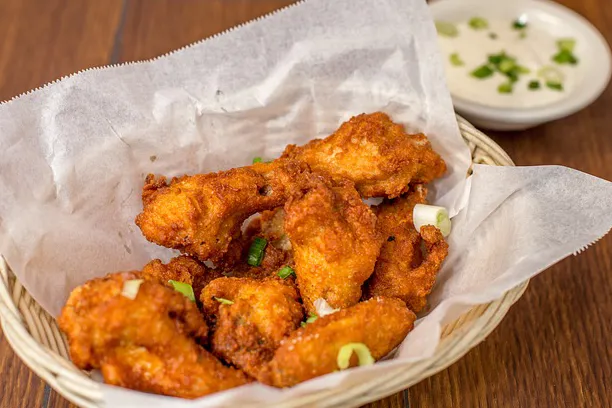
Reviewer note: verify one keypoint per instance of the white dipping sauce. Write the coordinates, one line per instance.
(534, 51)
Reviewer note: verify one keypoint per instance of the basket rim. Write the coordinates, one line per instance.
(73, 384)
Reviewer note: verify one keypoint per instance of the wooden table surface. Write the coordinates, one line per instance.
(552, 350)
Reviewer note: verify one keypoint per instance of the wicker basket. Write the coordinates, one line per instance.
(35, 337)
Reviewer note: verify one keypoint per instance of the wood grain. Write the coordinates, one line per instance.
(552, 350)
(153, 28)
(41, 41)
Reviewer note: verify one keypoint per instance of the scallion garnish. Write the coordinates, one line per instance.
(551, 74)
(482, 72)
(566, 52)
(565, 57)
(323, 308)
(256, 251)
(257, 160)
(566, 44)
(183, 288)
(493, 36)
(478, 23)
(423, 214)
(534, 85)
(363, 355)
(131, 288)
(456, 60)
(285, 272)
(311, 318)
(520, 23)
(506, 65)
(505, 88)
(223, 301)
(556, 86)
(446, 29)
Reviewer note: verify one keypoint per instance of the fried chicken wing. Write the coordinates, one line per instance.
(401, 270)
(335, 242)
(375, 153)
(248, 331)
(181, 269)
(200, 215)
(380, 323)
(150, 343)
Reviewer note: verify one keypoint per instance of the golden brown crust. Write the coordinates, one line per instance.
(248, 331)
(150, 343)
(335, 242)
(181, 269)
(200, 215)
(400, 269)
(373, 152)
(380, 323)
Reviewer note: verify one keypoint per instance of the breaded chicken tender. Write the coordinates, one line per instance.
(200, 215)
(248, 331)
(181, 269)
(401, 270)
(373, 152)
(150, 343)
(335, 242)
(379, 323)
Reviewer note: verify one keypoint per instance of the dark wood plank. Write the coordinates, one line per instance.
(552, 350)
(20, 386)
(43, 40)
(156, 27)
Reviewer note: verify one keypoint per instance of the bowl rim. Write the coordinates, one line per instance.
(598, 79)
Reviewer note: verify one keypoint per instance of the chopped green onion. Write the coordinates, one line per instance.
(183, 288)
(565, 57)
(523, 70)
(496, 59)
(478, 23)
(256, 251)
(493, 36)
(557, 86)
(323, 308)
(346, 351)
(311, 318)
(520, 23)
(130, 288)
(523, 35)
(505, 88)
(223, 301)
(257, 160)
(534, 85)
(456, 60)
(446, 29)
(551, 74)
(285, 272)
(482, 72)
(566, 44)
(506, 65)
(431, 215)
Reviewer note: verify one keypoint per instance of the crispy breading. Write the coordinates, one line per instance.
(373, 152)
(379, 323)
(273, 260)
(150, 343)
(400, 269)
(248, 331)
(182, 269)
(335, 242)
(200, 215)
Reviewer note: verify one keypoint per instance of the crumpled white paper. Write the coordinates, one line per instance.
(73, 157)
